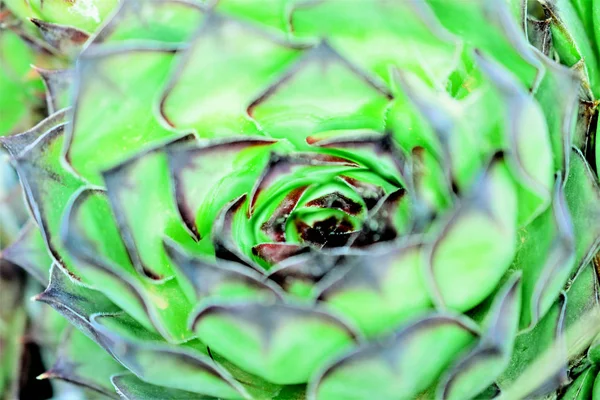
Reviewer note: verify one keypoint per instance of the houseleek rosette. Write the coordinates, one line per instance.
(317, 199)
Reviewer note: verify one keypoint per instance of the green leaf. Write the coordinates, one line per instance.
(76, 303)
(572, 43)
(582, 295)
(145, 209)
(227, 169)
(86, 15)
(59, 84)
(399, 367)
(557, 96)
(503, 38)
(596, 389)
(321, 92)
(526, 134)
(546, 255)
(29, 252)
(477, 370)
(227, 281)
(461, 147)
(17, 108)
(583, 200)
(66, 40)
(284, 344)
(219, 51)
(113, 116)
(154, 361)
(131, 387)
(530, 344)
(92, 237)
(73, 364)
(380, 289)
(475, 247)
(169, 21)
(47, 182)
(401, 34)
(582, 387)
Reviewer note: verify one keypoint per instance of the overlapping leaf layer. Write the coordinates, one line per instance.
(319, 199)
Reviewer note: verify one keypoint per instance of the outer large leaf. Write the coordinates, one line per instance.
(583, 200)
(503, 39)
(380, 291)
(92, 238)
(155, 362)
(404, 34)
(72, 364)
(131, 387)
(552, 235)
(475, 247)
(285, 344)
(114, 107)
(480, 368)
(321, 92)
(145, 210)
(170, 21)
(400, 367)
(221, 49)
(30, 253)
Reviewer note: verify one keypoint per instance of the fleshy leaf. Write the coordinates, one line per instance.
(85, 15)
(386, 369)
(284, 344)
(583, 200)
(380, 291)
(114, 106)
(570, 41)
(479, 368)
(131, 387)
(476, 246)
(275, 253)
(91, 236)
(152, 360)
(299, 275)
(17, 144)
(581, 388)
(460, 145)
(76, 303)
(321, 92)
(526, 134)
(226, 281)
(227, 169)
(530, 344)
(67, 40)
(47, 182)
(145, 210)
(551, 235)
(401, 34)
(58, 88)
(559, 85)
(220, 50)
(19, 92)
(29, 252)
(502, 39)
(166, 21)
(73, 364)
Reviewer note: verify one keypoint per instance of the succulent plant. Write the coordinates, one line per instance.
(317, 199)
(32, 336)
